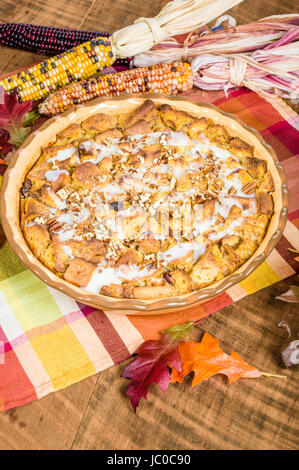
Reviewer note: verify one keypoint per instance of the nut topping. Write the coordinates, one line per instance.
(249, 188)
(232, 190)
(54, 225)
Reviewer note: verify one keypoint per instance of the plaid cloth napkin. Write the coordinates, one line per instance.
(49, 341)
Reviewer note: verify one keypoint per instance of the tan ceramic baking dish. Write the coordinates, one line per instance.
(28, 153)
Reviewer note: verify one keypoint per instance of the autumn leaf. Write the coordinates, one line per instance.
(31, 117)
(292, 295)
(5, 146)
(292, 250)
(179, 332)
(206, 359)
(153, 361)
(14, 116)
(11, 111)
(18, 135)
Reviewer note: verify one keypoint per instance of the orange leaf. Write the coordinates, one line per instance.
(206, 359)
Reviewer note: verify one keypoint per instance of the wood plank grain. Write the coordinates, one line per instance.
(124, 13)
(49, 423)
(251, 414)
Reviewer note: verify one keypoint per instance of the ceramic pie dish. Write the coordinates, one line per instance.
(26, 157)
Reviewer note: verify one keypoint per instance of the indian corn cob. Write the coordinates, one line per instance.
(78, 63)
(46, 40)
(169, 78)
(43, 39)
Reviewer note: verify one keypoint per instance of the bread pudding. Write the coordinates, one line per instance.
(150, 204)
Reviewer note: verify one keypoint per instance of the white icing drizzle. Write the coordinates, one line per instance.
(180, 250)
(105, 275)
(66, 235)
(179, 139)
(111, 188)
(64, 154)
(68, 251)
(53, 175)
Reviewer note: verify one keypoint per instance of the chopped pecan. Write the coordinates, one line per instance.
(208, 167)
(220, 219)
(53, 225)
(232, 190)
(249, 188)
(199, 199)
(65, 192)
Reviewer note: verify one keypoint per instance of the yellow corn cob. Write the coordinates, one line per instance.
(78, 63)
(170, 78)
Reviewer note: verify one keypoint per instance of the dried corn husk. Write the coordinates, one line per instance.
(243, 38)
(272, 70)
(263, 56)
(177, 17)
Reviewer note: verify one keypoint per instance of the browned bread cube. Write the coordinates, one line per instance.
(99, 123)
(91, 250)
(38, 238)
(265, 204)
(154, 292)
(113, 290)
(79, 272)
(139, 127)
(89, 175)
(33, 208)
(62, 180)
(255, 166)
(196, 127)
(110, 134)
(71, 133)
(131, 256)
(180, 280)
(174, 118)
(218, 134)
(267, 183)
(146, 112)
(240, 148)
(61, 257)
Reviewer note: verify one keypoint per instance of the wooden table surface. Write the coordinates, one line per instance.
(95, 413)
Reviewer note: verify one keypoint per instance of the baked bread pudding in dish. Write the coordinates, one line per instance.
(150, 204)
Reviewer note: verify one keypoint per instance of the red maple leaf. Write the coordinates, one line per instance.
(11, 111)
(151, 365)
(5, 146)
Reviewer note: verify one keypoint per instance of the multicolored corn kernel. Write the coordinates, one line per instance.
(78, 63)
(167, 78)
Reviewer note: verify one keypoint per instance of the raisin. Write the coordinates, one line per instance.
(27, 185)
(117, 205)
(167, 277)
